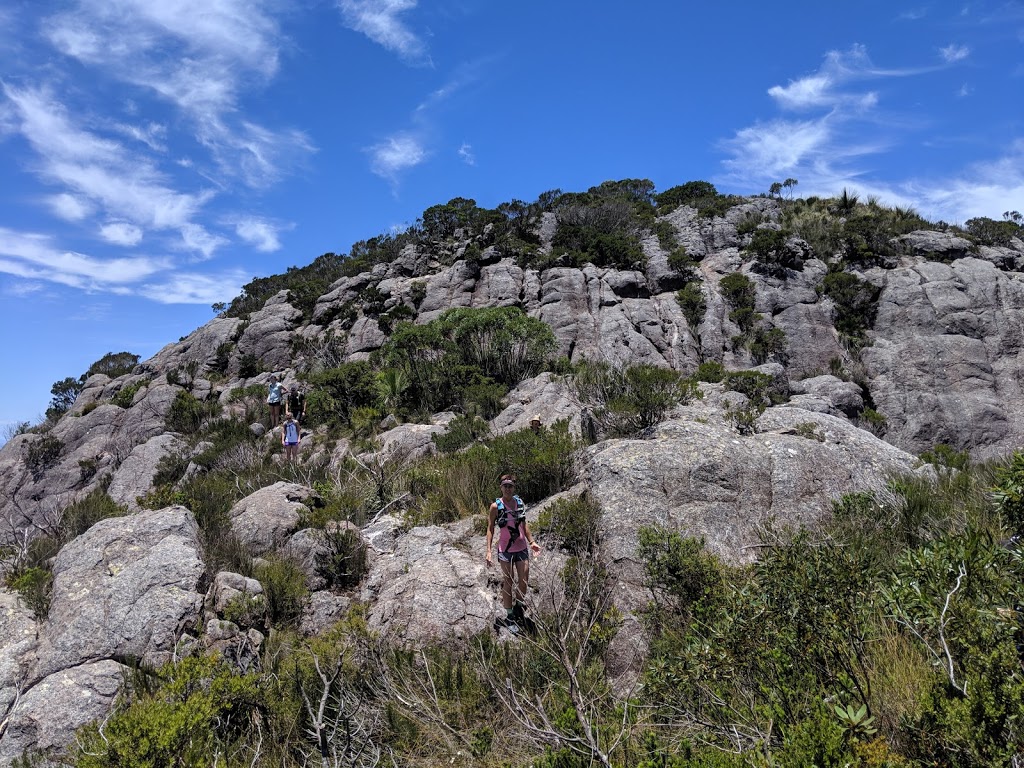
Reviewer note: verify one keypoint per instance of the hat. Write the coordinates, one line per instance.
(535, 419)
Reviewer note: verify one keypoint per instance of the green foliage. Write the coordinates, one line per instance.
(284, 585)
(187, 415)
(461, 431)
(334, 393)
(445, 359)
(304, 285)
(680, 571)
(43, 454)
(200, 708)
(80, 516)
(451, 487)
(701, 195)
(773, 254)
(991, 232)
(113, 364)
(712, 372)
(856, 303)
(1009, 492)
(693, 304)
(680, 261)
(249, 366)
(944, 457)
(125, 395)
(572, 524)
(64, 394)
(755, 385)
(341, 559)
(33, 585)
(738, 290)
(766, 344)
(626, 401)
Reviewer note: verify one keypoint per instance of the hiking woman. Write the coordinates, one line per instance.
(275, 399)
(515, 541)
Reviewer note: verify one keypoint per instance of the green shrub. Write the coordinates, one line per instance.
(284, 586)
(341, 560)
(33, 586)
(113, 364)
(572, 524)
(460, 432)
(679, 570)
(198, 708)
(755, 385)
(712, 372)
(856, 303)
(187, 415)
(89, 408)
(694, 305)
(249, 366)
(680, 261)
(334, 393)
(774, 256)
(125, 395)
(43, 454)
(991, 232)
(627, 401)
(80, 516)
(766, 344)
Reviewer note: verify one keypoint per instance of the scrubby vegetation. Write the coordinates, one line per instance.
(888, 635)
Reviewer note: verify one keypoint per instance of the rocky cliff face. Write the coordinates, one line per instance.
(940, 364)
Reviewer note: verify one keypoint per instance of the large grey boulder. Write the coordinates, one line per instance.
(17, 649)
(264, 520)
(430, 588)
(134, 477)
(126, 587)
(268, 335)
(546, 396)
(707, 480)
(49, 712)
(933, 246)
(944, 363)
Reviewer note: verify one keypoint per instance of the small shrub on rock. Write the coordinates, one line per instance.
(342, 559)
(284, 585)
(43, 454)
(572, 523)
(626, 401)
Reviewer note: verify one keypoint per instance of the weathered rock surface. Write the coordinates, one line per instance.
(51, 710)
(126, 587)
(264, 520)
(432, 587)
(134, 477)
(945, 362)
(705, 479)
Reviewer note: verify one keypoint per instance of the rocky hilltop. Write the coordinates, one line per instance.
(915, 343)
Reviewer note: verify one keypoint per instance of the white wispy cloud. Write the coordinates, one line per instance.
(953, 53)
(121, 233)
(198, 55)
(34, 256)
(981, 189)
(261, 233)
(196, 288)
(99, 172)
(379, 20)
(466, 153)
(396, 154)
(69, 207)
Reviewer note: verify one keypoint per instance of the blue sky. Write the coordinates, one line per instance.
(155, 155)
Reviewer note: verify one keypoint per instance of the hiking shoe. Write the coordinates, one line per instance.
(512, 627)
(517, 611)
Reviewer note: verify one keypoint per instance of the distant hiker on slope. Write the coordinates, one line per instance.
(290, 438)
(508, 513)
(275, 399)
(297, 404)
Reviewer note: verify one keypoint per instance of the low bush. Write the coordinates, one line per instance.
(572, 524)
(43, 454)
(712, 372)
(126, 395)
(80, 516)
(460, 432)
(341, 560)
(626, 401)
(284, 585)
(693, 304)
(187, 415)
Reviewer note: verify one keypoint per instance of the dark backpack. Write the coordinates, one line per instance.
(511, 520)
(295, 403)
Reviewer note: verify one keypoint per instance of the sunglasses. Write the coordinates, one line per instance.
(508, 484)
